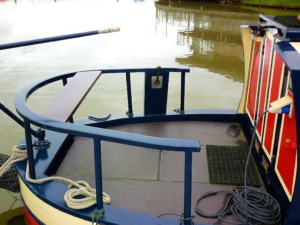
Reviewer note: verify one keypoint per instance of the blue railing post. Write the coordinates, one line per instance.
(29, 150)
(129, 97)
(182, 94)
(98, 173)
(65, 81)
(188, 187)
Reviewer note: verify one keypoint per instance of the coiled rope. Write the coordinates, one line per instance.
(250, 205)
(76, 188)
(262, 208)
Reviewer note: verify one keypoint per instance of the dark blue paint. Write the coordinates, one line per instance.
(48, 160)
(71, 120)
(129, 97)
(44, 159)
(113, 215)
(156, 98)
(98, 173)
(46, 40)
(15, 118)
(228, 116)
(64, 144)
(65, 81)
(167, 144)
(187, 187)
(289, 55)
(29, 150)
(286, 33)
(182, 93)
(90, 132)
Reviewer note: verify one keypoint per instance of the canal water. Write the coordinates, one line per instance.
(205, 37)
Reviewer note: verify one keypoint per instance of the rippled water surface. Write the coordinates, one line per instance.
(205, 37)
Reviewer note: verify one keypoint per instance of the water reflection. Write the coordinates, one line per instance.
(214, 39)
(14, 216)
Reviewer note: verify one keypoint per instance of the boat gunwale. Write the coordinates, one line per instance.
(43, 191)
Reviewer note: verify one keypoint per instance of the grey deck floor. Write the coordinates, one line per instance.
(147, 180)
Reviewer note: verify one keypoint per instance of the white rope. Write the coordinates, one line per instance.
(81, 187)
(18, 155)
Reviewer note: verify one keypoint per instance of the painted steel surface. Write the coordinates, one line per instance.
(277, 135)
(268, 50)
(254, 80)
(274, 94)
(41, 200)
(30, 217)
(47, 40)
(286, 32)
(99, 134)
(106, 135)
(286, 161)
(156, 98)
(44, 159)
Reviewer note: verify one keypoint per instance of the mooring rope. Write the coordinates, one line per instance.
(81, 187)
(17, 156)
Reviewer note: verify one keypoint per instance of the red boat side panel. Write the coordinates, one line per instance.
(251, 101)
(264, 83)
(287, 152)
(29, 218)
(274, 94)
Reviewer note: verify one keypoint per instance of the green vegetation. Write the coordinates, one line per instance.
(275, 3)
(271, 11)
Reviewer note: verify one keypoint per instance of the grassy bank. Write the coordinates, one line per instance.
(275, 3)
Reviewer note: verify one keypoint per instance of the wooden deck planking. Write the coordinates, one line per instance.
(66, 102)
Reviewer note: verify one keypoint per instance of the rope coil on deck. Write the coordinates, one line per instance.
(77, 188)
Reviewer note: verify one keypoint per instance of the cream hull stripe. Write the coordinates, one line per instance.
(46, 213)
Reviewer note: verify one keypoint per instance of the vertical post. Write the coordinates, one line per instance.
(188, 187)
(182, 92)
(129, 97)
(29, 150)
(98, 173)
(65, 81)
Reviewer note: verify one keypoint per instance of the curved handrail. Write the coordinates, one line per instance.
(98, 133)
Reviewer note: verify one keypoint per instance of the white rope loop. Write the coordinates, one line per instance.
(18, 155)
(76, 188)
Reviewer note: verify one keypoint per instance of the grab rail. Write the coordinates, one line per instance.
(98, 134)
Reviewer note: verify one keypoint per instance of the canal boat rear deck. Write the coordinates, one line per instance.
(151, 162)
(150, 181)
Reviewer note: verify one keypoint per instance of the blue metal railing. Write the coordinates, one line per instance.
(98, 134)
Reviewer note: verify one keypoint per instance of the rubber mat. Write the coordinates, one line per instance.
(226, 165)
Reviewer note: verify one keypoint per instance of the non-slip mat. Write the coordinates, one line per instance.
(226, 165)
